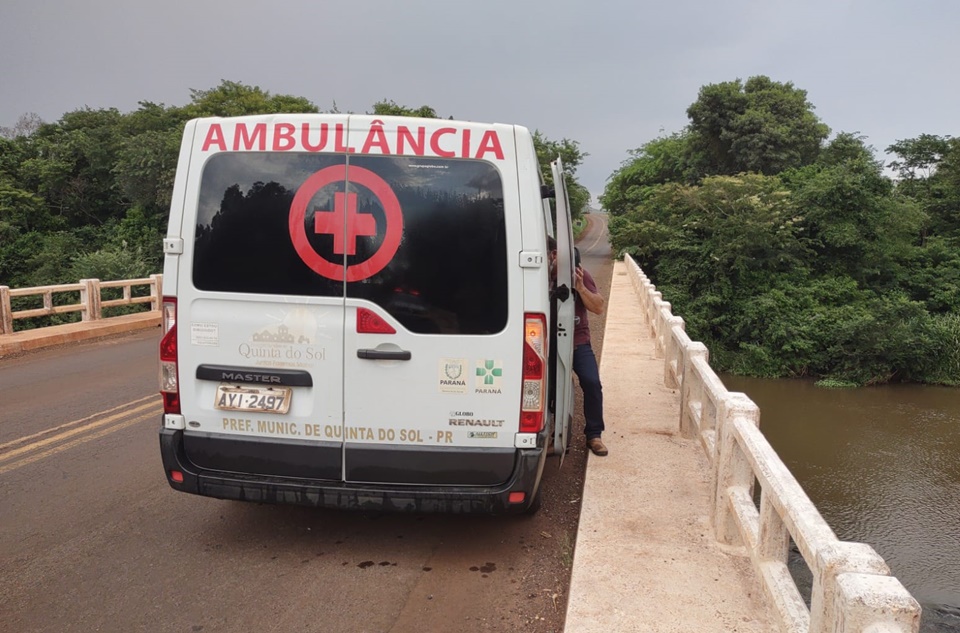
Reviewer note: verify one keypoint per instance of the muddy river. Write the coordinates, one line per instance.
(882, 464)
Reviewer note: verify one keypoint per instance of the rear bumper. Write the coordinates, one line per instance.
(526, 475)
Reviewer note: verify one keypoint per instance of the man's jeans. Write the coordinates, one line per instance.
(585, 366)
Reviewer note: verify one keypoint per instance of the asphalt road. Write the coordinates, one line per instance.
(93, 539)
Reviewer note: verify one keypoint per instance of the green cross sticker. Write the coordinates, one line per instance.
(488, 370)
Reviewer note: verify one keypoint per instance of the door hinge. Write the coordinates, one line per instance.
(172, 246)
(531, 259)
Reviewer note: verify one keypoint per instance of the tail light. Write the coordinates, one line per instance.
(169, 384)
(534, 373)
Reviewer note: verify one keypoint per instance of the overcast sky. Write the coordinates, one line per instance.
(611, 74)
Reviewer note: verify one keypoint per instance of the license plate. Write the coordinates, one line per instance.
(262, 399)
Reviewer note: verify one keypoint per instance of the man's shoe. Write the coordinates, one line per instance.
(596, 445)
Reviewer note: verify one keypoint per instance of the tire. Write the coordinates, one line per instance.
(535, 505)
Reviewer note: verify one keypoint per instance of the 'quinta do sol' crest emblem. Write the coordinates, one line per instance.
(453, 370)
(451, 378)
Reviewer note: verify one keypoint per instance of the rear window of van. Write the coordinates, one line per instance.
(423, 238)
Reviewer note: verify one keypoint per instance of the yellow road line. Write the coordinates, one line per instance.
(153, 406)
(59, 449)
(27, 438)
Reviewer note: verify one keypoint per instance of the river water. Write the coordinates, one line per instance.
(882, 464)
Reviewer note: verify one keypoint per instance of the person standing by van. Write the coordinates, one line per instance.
(586, 299)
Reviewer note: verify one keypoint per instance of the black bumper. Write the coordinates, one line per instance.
(329, 493)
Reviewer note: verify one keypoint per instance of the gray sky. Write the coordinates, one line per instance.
(611, 74)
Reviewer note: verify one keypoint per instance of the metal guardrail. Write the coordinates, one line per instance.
(853, 590)
(90, 304)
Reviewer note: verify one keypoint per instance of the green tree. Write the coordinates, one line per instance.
(232, 98)
(918, 158)
(145, 168)
(387, 107)
(849, 217)
(662, 160)
(69, 164)
(822, 266)
(572, 157)
(759, 126)
(929, 173)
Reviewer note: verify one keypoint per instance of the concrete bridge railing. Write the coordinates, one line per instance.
(90, 302)
(853, 590)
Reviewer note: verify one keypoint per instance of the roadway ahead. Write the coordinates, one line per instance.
(93, 539)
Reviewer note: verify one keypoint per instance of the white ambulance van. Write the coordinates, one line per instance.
(358, 314)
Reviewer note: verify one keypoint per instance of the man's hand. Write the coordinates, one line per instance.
(592, 300)
(578, 279)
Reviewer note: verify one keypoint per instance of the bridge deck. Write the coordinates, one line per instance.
(646, 558)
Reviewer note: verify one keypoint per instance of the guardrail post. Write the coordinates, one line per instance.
(691, 388)
(874, 604)
(673, 354)
(832, 560)
(6, 311)
(653, 300)
(773, 540)
(90, 298)
(662, 317)
(732, 467)
(156, 292)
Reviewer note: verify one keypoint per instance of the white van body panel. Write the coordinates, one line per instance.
(376, 270)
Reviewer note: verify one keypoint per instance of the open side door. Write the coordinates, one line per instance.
(564, 300)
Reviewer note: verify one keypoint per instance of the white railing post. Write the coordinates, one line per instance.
(732, 468)
(672, 353)
(832, 560)
(90, 298)
(663, 327)
(6, 311)
(156, 292)
(773, 540)
(653, 300)
(691, 389)
(874, 604)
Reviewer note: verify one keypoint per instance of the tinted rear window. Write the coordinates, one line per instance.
(425, 239)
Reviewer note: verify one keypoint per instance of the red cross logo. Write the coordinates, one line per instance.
(331, 222)
(345, 223)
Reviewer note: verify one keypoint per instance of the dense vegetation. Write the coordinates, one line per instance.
(88, 196)
(792, 256)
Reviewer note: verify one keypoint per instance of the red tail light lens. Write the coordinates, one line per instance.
(169, 380)
(534, 364)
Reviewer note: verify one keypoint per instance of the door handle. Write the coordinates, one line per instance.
(384, 354)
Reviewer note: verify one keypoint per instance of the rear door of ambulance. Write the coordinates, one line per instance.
(565, 311)
(348, 307)
(434, 324)
(260, 296)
